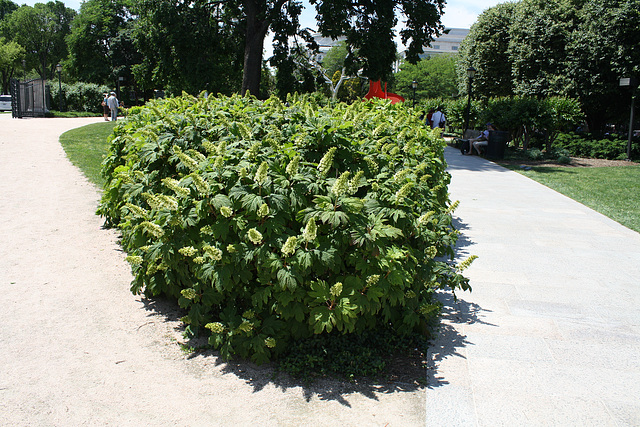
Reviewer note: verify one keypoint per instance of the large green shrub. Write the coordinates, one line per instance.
(271, 223)
(79, 96)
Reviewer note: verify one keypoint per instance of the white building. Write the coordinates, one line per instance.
(325, 44)
(446, 43)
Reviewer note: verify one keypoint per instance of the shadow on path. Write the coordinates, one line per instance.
(408, 371)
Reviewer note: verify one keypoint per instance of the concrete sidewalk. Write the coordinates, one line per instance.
(550, 334)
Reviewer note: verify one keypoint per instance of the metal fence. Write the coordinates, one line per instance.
(29, 98)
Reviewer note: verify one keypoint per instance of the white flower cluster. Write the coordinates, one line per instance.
(341, 185)
(402, 192)
(327, 161)
(226, 211)
(372, 164)
(215, 327)
(254, 150)
(400, 175)
(255, 236)
(289, 247)
(354, 184)
(336, 289)
(246, 326)
(152, 228)
(174, 185)
(424, 218)
(137, 210)
(262, 173)
(201, 185)
(292, 167)
(373, 279)
(209, 146)
(263, 210)
(213, 252)
(189, 293)
(188, 251)
(134, 259)
(310, 231)
(185, 159)
(218, 162)
(431, 252)
(161, 201)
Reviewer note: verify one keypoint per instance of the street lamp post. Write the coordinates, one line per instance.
(24, 69)
(471, 73)
(632, 84)
(59, 70)
(414, 86)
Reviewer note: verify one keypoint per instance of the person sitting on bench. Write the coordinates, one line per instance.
(482, 140)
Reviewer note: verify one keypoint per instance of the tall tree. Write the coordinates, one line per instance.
(260, 16)
(11, 53)
(486, 48)
(95, 41)
(6, 7)
(41, 30)
(603, 49)
(189, 46)
(540, 32)
(436, 77)
(368, 27)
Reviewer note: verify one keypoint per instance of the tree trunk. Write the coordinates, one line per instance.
(256, 32)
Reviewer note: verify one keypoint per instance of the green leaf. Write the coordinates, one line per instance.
(252, 202)
(304, 259)
(286, 279)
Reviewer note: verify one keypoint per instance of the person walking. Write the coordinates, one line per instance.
(438, 120)
(105, 107)
(113, 104)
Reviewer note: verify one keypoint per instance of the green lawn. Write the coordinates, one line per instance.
(612, 191)
(87, 146)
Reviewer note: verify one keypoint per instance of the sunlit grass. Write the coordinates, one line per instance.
(87, 146)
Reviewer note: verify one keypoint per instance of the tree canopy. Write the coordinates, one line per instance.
(192, 46)
(368, 29)
(11, 53)
(436, 78)
(543, 48)
(41, 30)
(95, 41)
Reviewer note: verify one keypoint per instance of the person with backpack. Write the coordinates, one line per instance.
(438, 120)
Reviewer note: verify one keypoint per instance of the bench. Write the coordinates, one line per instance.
(496, 145)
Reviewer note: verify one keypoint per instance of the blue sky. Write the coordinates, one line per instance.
(458, 13)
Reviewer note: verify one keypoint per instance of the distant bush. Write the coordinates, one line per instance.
(534, 154)
(610, 147)
(79, 96)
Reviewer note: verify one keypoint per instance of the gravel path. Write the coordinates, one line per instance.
(77, 348)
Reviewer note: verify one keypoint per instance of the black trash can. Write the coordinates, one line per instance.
(497, 144)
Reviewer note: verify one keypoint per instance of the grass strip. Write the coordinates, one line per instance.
(87, 146)
(612, 191)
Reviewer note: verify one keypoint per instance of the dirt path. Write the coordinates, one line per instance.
(77, 348)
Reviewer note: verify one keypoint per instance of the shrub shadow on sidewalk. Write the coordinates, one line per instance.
(450, 341)
(405, 374)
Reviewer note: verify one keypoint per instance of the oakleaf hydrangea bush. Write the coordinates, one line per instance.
(270, 222)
